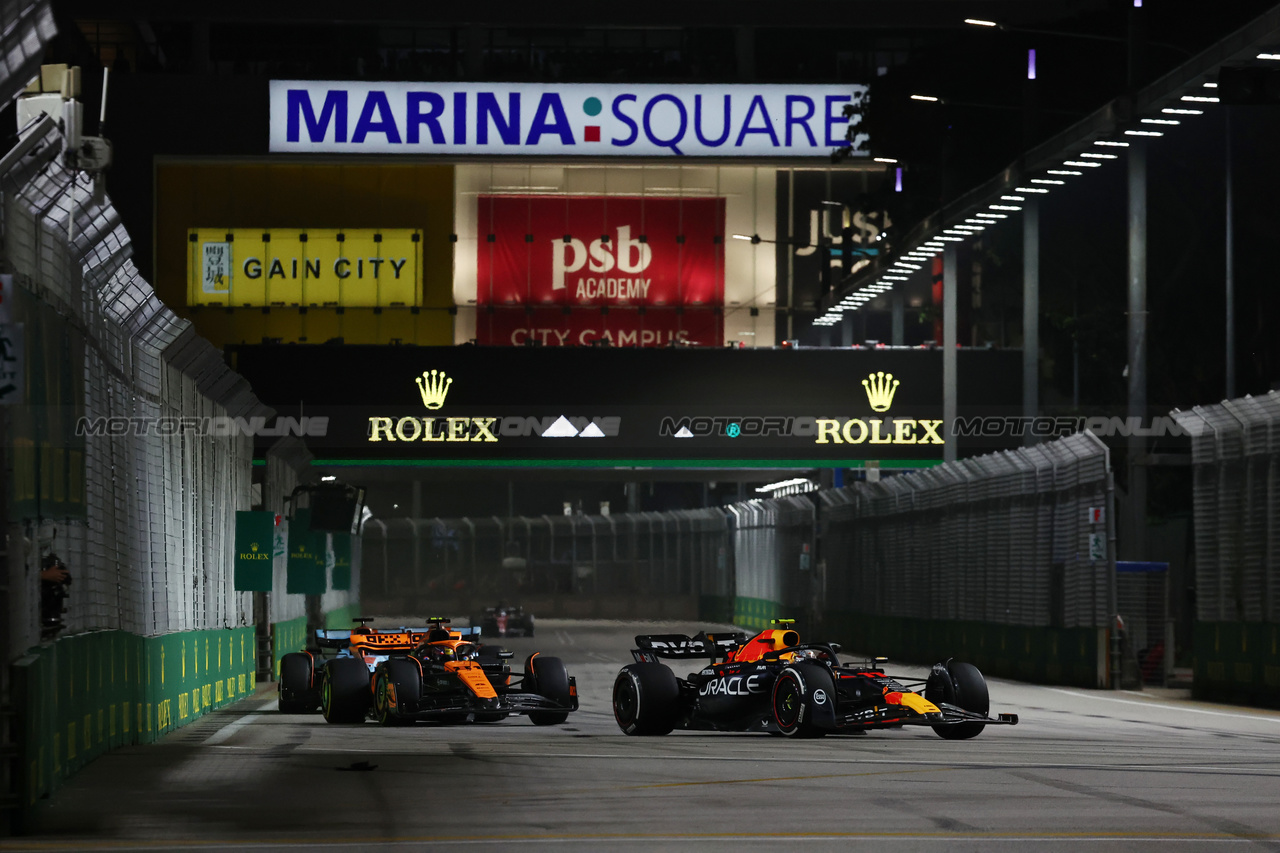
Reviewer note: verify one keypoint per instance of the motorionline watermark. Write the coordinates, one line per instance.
(1103, 426)
(216, 427)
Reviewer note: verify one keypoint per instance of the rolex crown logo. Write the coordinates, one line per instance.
(433, 385)
(253, 547)
(880, 389)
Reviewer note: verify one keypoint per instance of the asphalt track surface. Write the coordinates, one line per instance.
(1084, 769)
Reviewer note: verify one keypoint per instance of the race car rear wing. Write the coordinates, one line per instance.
(341, 638)
(650, 647)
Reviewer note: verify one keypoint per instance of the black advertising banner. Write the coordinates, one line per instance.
(618, 406)
(306, 573)
(255, 535)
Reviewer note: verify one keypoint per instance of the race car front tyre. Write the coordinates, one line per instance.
(400, 680)
(963, 686)
(799, 692)
(344, 693)
(297, 695)
(646, 699)
(550, 680)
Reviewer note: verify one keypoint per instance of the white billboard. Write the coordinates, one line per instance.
(568, 119)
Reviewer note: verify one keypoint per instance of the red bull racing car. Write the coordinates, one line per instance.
(774, 683)
(433, 673)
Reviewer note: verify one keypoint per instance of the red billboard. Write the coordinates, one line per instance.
(639, 271)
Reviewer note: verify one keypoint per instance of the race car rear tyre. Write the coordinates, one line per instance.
(646, 699)
(297, 695)
(344, 693)
(406, 679)
(796, 690)
(550, 680)
(966, 688)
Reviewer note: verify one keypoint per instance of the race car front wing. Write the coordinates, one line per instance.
(503, 703)
(884, 716)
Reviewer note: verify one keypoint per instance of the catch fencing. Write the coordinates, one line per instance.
(1235, 451)
(999, 540)
(1235, 448)
(143, 515)
(579, 565)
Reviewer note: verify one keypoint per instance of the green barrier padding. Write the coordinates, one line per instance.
(756, 613)
(290, 636)
(85, 694)
(1069, 656)
(1237, 662)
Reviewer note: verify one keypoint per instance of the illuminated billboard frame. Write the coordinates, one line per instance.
(304, 267)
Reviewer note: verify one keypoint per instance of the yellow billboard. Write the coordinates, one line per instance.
(319, 267)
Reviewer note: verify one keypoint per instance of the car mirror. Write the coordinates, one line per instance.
(505, 655)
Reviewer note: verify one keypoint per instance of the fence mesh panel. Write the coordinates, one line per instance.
(1235, 451)
(144, 518)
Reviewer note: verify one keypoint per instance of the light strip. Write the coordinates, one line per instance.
(1048, 181)
(1003, 207)
(1211, 85)
(952, 239)
(1063, 172)
(1109, 143)
(1200, 99)
(1269, 56)
(1039, 190)
(1096, 156)
(1174, 111)
(1081, 163)
(1143, 133)
(992, 215)
(929, 98)
(1012, 198)
(884, 159)
(1160, 121)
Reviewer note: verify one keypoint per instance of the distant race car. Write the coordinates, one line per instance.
(505, 621)
(431, 673)
(774, 683)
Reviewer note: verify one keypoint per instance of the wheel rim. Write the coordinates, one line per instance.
(786, 702)
(625, 702)
(326, 697)
(383, 708)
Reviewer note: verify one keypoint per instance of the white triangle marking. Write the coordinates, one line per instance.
(561, 429)
(592, 431)
(684, 433)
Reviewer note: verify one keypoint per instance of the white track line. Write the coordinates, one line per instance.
(1156, 703)
(234, 726)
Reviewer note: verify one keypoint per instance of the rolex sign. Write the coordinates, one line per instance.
(255, 541)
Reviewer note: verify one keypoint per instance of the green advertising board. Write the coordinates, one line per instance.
(255, 548)
(306, 572)
(341, 560)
